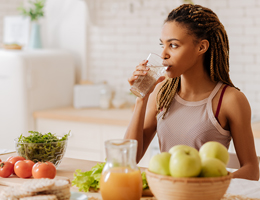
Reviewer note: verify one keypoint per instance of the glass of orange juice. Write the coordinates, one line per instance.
(121, 178)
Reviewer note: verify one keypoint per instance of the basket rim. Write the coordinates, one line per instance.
(189, 179)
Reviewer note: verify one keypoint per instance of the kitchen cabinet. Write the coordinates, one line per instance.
(90, 128)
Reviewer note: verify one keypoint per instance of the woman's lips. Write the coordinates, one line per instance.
(168, 68)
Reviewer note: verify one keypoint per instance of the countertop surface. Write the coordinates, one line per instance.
(65, 170)
(120, 117)
(245, 188)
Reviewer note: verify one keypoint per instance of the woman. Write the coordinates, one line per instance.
(197, 102)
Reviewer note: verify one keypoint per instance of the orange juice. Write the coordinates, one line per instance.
(121, 183)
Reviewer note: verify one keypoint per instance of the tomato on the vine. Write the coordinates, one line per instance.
(23, 168)
(44, 170)
(6, 169)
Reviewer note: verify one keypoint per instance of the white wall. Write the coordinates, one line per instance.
(123, 32)
(126, 31)
(65, 27)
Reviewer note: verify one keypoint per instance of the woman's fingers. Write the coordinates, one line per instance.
(140, 73)
(135, 76)
(140, 70)
(144, 62)
(142, 66)
(132, 79)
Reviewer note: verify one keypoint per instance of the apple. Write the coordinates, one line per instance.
(213, 167)
(181, 146)
(159, 163)
(214, 149)
(185, 161)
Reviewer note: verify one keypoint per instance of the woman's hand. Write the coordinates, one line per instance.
(142, 70)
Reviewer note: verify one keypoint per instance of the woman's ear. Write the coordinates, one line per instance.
(203, 46)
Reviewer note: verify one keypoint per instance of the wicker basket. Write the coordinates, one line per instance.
(197, 188)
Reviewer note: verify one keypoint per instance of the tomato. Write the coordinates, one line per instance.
(6, 169)
(44, 170)
(23, 168)
(14, 159)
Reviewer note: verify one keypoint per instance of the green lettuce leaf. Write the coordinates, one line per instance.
(89, 179)
(145, 184)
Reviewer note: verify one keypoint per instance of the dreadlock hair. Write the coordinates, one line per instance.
(202, 23)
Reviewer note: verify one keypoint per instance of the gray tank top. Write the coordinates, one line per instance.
(190, 123)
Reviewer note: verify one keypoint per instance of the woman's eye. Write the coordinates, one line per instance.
(170, 45)
(173, 45)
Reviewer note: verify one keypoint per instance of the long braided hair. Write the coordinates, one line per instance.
(202, 23)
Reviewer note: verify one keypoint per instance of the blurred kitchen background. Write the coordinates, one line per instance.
(77, 80)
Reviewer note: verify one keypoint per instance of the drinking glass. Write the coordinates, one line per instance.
(143, 84)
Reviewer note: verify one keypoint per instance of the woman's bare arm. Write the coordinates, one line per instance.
(238, 113)
(143, 124)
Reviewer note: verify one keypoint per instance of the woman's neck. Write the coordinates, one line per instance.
(195, 87)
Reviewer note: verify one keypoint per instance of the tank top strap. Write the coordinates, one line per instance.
(215, 90)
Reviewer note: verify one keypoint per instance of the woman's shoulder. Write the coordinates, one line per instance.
(233, 94)
(235, 102)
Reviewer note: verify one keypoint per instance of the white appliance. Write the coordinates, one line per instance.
(29, 81)
(85, 96)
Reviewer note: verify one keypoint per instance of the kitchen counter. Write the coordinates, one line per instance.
(237, 187)
(120, 117)
(65, 170)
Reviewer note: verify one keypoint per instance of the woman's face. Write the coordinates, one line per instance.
(179, 49)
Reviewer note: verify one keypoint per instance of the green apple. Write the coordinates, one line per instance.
(185, 161)
(183, 147)
(214, 149)
(213, 167)
(159, 163)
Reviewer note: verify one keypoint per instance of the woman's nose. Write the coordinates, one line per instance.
(165, 55)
